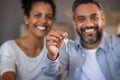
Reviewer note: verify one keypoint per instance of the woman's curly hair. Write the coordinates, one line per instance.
(27, 5)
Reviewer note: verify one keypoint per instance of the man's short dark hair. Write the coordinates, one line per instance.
(79, 2)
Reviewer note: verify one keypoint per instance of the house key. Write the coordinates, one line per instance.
(65, 42)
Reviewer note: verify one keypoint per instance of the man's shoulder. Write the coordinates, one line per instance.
(115, 43)
(114, 39)
(72, 43)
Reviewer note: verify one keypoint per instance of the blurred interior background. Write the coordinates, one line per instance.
(12, 24)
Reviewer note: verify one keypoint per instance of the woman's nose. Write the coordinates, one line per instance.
(43, 20)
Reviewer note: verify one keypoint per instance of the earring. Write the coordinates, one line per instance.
(26, 24)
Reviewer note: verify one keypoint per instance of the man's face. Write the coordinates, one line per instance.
(88, 21)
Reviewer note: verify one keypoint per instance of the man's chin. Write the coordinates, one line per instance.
(89, 41)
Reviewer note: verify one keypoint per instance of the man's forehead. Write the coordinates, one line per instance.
(87, 9)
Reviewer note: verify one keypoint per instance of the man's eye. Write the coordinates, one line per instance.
(94, 18)
(81, 19)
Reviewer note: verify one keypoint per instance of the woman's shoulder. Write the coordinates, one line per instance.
(8, 43)
(7, 48)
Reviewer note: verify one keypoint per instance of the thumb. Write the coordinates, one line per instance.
(65, 35)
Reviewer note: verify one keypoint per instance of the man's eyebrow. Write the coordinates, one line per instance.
(94, 14)
(80, 16)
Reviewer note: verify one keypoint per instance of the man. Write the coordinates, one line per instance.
(95, 56)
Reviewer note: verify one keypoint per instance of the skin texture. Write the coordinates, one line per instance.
(88, 21)
(41, 14)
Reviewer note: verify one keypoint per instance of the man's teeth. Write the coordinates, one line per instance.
(89, 30)
(41, 27)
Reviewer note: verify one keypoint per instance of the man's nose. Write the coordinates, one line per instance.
(88, 22)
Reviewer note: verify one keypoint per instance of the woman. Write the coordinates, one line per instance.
(22, 59)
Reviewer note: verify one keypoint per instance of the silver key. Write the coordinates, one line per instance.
(65, 43)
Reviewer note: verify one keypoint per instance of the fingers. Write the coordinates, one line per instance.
(55, 38)
(65, 35)
(56, 35)
(52, 38)
(51, 43)
(54, 41)
(62, 34)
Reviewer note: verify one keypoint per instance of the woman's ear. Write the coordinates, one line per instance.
(26, 20)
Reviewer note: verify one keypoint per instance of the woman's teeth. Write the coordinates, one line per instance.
(41, 27)
(89, 30)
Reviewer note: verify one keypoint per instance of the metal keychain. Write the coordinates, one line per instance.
(65, 43)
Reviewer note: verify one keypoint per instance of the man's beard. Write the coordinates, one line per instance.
(92, 40)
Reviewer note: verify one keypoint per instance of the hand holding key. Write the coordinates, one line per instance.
(54, 41)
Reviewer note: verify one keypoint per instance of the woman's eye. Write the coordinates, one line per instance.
(49, 17)
(37, 16)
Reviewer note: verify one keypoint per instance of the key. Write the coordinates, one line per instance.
(65, 42)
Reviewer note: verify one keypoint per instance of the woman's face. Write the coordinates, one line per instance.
(40, 19)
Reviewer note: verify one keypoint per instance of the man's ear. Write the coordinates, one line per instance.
(73, 22)
(103, 19)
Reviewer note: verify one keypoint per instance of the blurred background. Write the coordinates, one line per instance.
(12, 24)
